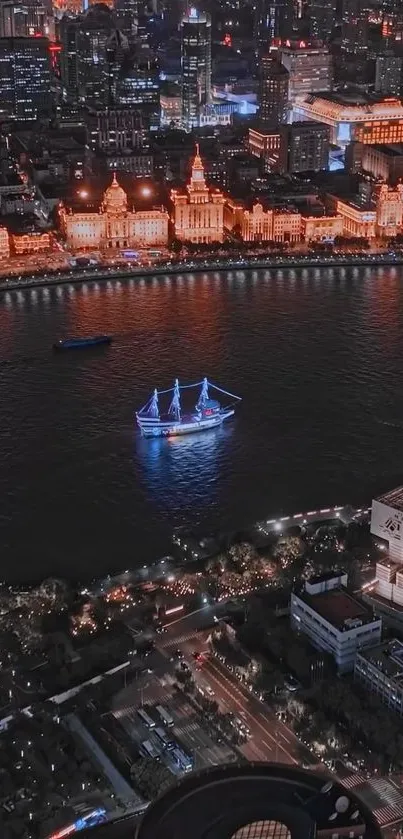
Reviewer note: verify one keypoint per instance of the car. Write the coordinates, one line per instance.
(177, 655)
(210, 691)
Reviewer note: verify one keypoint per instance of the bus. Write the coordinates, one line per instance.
(164, 739)
(184, 761)
(145, 718)
(165, 716)
(148, 749)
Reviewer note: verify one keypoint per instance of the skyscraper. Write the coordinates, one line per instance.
(26, 19)
(138, 88)
(92, 53)
(354, 28)
(388, 74)
(308, 146)
(322, 18)
(273, 19)
(309, 66)
(127, 17)
(195, 66)
(25, 76)
(273, 91)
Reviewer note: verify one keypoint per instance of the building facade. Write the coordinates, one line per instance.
(195, 67)
(4, 243)
(381, 217)
(271, 146)
(309, 66)
(387, 522)
(388, 74)
(334, 620)
(321, 228)
(380, 669)
(308, 146)
(273, 19)
(25, 72)
(354, 117)
(270, 225)
(273, 91)
(115, 226)
(198, 213)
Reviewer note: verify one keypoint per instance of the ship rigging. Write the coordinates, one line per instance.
(207, 413)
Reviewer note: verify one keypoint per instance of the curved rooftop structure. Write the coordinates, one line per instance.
(257, 801)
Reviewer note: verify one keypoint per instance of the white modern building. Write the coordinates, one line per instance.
(387, 522)
(334, 620)
(380, 668)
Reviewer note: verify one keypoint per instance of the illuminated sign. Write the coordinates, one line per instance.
(193, 12)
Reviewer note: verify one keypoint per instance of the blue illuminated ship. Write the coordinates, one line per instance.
(207, 413)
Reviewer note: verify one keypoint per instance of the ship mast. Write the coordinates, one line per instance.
(201, 402)
(153, 410)
(175, 406)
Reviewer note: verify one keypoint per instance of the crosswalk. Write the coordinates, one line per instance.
(355, 780)
(392, 800)
(168, 642)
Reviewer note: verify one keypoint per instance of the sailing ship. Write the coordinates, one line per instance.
(207, 413)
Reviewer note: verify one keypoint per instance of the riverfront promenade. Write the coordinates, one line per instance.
(104, 273)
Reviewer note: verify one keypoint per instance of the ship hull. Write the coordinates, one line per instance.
(152, 428)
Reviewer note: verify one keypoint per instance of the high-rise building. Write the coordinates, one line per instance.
(388, 74)
(92, 53)
(322, 18)
(138, 88)
(127, 12)
(25, 77)
(195, 66)
(354, 28)
(27, 19)
(273, 19)
(273, 91)
(308, 146)
(309, 66)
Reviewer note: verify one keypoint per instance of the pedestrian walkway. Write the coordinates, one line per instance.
(355, 780)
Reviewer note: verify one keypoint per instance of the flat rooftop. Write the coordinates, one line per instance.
(393, 498)
(388, 658)
(338, 606)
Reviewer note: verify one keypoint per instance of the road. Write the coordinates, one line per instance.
(271, 739)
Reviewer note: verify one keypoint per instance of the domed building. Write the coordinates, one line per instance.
(115, 226)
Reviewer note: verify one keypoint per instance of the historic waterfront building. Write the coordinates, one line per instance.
(115, 226)
(198, 212)
(379, 217)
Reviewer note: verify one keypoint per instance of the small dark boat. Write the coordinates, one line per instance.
(82, 343)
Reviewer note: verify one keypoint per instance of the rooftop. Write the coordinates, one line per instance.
(390, 150)
(338, 607)
(388, 658)
(393, 498)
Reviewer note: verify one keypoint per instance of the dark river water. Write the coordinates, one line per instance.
(317, 356)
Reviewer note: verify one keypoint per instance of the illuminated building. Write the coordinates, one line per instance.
(4, 243)
(333, 619)
(354, 116)
(92, 52)
(271, 146)
(114, 226)
(380, 217)
(321, 228)
(354, 27)
(381, 161)
(309, 65)
(25, 77)
(195, 66)
(387, 522)
(322, 18)
(117, 129)
(273, 91)
(388, 74)
(127, 13)
(270, 225)
(30, 243)
(308, 146)
(138, 89)
(273, 19)
(198, 213)
(25, 19)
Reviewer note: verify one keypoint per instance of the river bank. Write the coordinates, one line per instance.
(103, 273)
